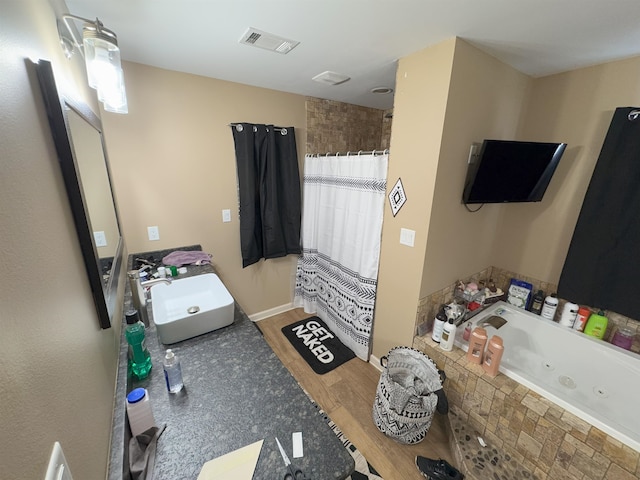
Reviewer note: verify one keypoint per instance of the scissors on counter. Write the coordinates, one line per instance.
(293, 473)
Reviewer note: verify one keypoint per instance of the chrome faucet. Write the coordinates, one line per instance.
(137, 292)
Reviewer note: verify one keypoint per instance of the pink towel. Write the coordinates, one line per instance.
(179, 258)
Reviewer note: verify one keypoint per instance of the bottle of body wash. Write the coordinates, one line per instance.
(493, 355)
(597, 325)
(477, 342)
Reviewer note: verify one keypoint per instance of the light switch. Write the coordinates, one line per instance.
(226, 215)
(100, 239)
(407, 237)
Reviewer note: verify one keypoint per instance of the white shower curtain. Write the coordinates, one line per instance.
(337, 272)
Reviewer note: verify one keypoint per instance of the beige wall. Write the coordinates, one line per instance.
(422, 85)
(58, 367)
(173, 162)
(486, 100)
(574, 107)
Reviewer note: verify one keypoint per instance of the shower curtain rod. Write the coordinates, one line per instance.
(353, 154)
(239, 127)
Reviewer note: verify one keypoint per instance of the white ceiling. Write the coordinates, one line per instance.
(361, 38)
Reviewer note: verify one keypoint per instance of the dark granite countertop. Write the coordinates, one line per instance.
(236, 392)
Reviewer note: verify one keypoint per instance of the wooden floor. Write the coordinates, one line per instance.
(346, 394)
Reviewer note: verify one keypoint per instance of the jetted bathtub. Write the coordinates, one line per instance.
(596, 381)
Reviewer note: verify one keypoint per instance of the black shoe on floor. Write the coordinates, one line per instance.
(437, 469)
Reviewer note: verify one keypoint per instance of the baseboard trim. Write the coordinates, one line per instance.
(375, 361)
(256, 317)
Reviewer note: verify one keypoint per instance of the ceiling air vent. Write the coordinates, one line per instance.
(331, 78)
(268, 41)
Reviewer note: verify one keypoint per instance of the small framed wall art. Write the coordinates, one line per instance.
(397, 197)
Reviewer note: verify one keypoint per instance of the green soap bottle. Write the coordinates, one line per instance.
(596, 325)
(139, 358)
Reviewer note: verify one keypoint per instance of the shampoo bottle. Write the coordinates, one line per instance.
(493, 355)
(139, 358)
(569, 314)
(477, 343)
(438, 325)
(549, 307)
(581, 319)
(536, 302)
(596, 325)
(448, 336)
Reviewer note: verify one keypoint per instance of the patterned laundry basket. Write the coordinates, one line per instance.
(405, 399)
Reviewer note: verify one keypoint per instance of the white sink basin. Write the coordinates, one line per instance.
(190, 307)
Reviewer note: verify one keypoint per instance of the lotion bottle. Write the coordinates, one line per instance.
(438, 325)
(493, 355)
(477, 343)
(448, 336)
(569, 314)
(549, 307)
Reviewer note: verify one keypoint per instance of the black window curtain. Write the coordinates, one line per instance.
(269, 191)
(603, 264)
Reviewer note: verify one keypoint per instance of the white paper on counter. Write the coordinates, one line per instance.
(237, 465)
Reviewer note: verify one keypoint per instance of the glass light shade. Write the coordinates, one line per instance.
(102, 59)
(114, 96)
(104, 70)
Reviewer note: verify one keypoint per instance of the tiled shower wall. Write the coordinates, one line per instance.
(334, 127)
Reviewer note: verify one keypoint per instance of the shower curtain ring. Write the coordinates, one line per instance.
(239, 127)
(283, 131)
(359, 152)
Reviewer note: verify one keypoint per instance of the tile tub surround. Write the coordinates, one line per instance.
(236, 392)
(428, 306)
(544, 438)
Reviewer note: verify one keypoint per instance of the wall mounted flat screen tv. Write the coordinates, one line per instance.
(510, 171)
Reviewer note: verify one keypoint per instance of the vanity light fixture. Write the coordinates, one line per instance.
(102, 59)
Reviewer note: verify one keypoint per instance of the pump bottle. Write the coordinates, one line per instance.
(438, 325)
(172, 372)
(448, 336)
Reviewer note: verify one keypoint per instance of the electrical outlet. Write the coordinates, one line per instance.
(226, 215)
(100, 239)
(154, 233)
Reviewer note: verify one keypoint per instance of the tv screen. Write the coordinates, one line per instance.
(511, 171)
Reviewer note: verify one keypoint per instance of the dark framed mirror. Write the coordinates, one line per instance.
(77, 134)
